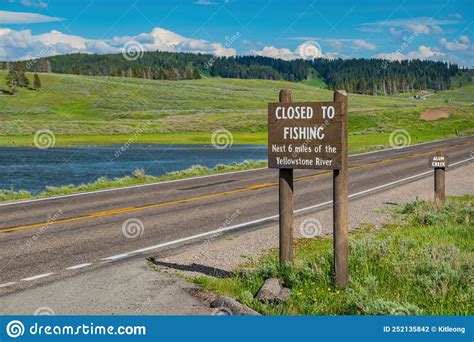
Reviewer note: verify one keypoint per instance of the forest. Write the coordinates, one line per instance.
(365, 76)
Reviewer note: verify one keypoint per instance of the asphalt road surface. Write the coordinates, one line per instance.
(42, 241)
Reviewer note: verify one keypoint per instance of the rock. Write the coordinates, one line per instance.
(226, 306)
(272, 291)
(284, 295)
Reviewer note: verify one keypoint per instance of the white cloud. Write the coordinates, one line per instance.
(31, 3)
(205, 3)
(23, 44)
(461, 44)
(7, 17)
(311, 49)
(358, 43)
(393, 31)
(304, 38)
(364, 45)
(337, 44)
(273, 52)
(307, 50)
(370, 29)
(456, 15)
(423, 52)
(422, 25)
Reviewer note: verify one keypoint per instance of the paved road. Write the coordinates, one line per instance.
(43, 241)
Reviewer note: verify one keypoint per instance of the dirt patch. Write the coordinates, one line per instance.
(437, 113)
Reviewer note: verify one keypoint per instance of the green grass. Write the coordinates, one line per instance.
(109, 110)
(137, 177)
(420, 263)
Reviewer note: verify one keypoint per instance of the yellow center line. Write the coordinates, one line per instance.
(219, 194)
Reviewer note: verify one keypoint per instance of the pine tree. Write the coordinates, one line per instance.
(196, 74)
(172, 74)
(149, 74)
(12, 79)
(36, 82)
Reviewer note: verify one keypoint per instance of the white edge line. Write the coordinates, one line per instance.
(75, 267)
(190, 178)
(44, 275)
(8, 284)
(221, 230)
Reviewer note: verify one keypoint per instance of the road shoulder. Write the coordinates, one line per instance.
(128, 287)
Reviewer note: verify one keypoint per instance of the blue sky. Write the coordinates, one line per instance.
(437, 30)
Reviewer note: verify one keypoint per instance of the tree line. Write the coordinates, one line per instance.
(367, 76)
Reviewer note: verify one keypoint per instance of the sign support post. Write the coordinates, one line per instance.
(341, 203)
(286, 203)
(439, 185)
(439, 162)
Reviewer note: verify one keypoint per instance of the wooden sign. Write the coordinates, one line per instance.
(439, 161)
(311, 135)
(305, 135)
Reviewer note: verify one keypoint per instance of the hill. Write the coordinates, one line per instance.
(97, 110)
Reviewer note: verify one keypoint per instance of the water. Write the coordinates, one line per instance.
(33, 169)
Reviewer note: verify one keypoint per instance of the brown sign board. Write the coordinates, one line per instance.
(439, 161)
(305, 135)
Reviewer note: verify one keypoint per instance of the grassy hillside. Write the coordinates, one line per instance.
(96, 110)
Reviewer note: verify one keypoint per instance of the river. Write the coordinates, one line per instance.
(33, 169)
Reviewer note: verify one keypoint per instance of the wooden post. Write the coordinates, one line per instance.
(286, 203)
(341, 204)
(439, 179)
(439, 185)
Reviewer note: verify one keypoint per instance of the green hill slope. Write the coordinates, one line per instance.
(95, 110)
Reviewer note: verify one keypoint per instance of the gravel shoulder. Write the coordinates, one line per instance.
(130, 287)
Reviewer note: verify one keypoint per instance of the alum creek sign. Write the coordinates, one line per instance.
(305, 135)
(439, 161)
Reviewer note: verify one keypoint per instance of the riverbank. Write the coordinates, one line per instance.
(136, 178)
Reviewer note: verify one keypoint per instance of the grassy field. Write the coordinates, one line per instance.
(420, 263)
(105, 110)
